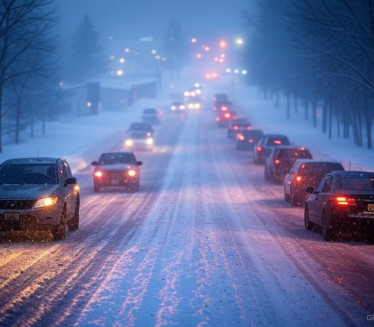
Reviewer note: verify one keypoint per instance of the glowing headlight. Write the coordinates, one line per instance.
(173, 107)
(149, 141)
(132, 173)
(45, 202)
(129, 142)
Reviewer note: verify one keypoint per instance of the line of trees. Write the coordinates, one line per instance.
(320, 53)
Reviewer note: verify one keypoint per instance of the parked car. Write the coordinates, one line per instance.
(280, 160)
(39, 194)
(237, 125)
(306, 172)
(246, 140)
(263, 147)
(342, 202)
(151, 116)
(117, 169)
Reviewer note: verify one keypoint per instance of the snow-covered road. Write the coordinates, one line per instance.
(206, 242)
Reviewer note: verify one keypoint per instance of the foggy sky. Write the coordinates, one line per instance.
(131, 19)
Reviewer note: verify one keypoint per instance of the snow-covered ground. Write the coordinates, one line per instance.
(206, 242)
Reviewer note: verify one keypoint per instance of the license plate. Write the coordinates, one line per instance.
(371, 207)
(11, 216)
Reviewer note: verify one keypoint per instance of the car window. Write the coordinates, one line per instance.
(359, 183)
(319, 168)
(28, 174)
(116, 158)
(327, 185)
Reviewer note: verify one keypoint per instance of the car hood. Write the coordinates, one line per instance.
(115, 167)
(26, 191)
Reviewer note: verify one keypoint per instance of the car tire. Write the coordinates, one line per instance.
(327, 229)
(307, 223)
(59, 231)
(73, 223)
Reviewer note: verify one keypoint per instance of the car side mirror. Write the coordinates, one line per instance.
(70, 181)
(309, 189)
(94, 163)
(139, 163)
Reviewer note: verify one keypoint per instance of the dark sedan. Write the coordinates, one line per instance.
(342, 202)
(246, 140)
(237, 125)
(263, 147)
(117, 169)
(38, 194)
(304, 173)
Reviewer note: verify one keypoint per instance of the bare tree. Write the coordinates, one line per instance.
(24, 29)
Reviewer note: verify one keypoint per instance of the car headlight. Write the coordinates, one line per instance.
(46, 202)
(129, 142)
(149, 141)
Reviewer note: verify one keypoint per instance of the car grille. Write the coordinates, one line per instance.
(16, 204)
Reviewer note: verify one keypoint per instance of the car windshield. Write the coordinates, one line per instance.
(116, 158)
(28, 174)
(139, 126)
(359, 183)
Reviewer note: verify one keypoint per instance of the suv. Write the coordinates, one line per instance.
(38, 194)
(265, 144)
(304, 173)
(280, 161)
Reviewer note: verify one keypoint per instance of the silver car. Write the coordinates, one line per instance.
(38, 194)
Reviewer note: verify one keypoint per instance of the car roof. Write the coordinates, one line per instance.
(353, 173)
(32, 160)
(306, 161)
(117, 152)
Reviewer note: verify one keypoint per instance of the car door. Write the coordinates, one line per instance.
(313, 201)
(322, 197)
(68, 189)
(288, 178)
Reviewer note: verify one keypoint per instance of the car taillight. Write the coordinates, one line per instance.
(277, 161)
(259, 148)
(278, 142)
(224, 108)
(248, 128)
(98, 173)
(131, 172)
(298, 178)
(236, 127)
(345, 201)
(240, 137)
(250, 140)
(218, 119)
(227, 115)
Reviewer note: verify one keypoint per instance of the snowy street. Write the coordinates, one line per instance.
(205, 242)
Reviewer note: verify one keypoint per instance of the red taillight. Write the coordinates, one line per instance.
(236, 127)
(278, 142)
(240, 137)
(98, 173)
(227, 115)
(131, 172)
(344, 201)
(259, 148)
(298, 178)
(277, 161)
(224, 108)
(218, 119)
(248, 128)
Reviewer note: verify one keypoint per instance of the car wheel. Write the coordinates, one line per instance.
(59, 231)
(73, 223)
(327, 229)
(308, 224)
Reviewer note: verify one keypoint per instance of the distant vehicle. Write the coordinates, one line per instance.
(178, 106)
(237, 125)
(263, 147)
(224, 118)
(139, 140)
(342, 202)
(280, 160)
(306, 172)
(116, 169)
(222, 106)
(220, 97)
(140, 128)
(39, 194)
(246, 140)
(151, 116)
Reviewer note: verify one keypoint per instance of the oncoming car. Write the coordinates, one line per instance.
(39, 194)
(342, 202)
(116, 169)
(139, 141)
